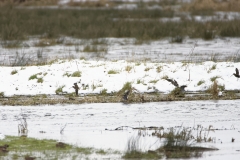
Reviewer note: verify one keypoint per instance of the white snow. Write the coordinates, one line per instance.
(95, 73)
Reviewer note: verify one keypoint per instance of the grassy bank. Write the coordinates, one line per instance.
(17, 24)
(12, 147)
(108, 98)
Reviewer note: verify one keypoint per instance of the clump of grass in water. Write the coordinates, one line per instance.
(178, 144)
(134, 151)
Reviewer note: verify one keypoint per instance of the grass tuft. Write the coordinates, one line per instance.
(214, 78)
(40, 80)
(14, 72)
(59, 90)
(213, 89)
(200, 82)
(112, 72)
(126, 86)
(76, 74)
(33, 77)
(1, 94)
(103, 91)
(128, 68)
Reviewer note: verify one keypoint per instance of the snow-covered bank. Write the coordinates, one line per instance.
(112, 75)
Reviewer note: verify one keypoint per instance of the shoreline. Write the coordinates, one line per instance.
(34, 100)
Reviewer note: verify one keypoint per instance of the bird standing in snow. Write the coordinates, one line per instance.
(76, 88)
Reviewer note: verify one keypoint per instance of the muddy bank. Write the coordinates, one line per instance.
(110, 98)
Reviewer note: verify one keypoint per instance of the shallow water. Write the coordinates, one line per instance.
(89, 125)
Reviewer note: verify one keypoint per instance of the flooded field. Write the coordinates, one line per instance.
(94, 125)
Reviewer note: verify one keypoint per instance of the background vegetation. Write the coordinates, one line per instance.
(17, 23)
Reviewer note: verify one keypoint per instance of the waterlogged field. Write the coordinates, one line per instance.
(178, 33)
(111, 125)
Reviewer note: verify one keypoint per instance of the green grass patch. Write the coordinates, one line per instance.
(200, 82)
(214, 78)
(101, 151)
(76, 74)
(40, 80)
(212, 68)
(139, 81)
(153, 81)
(59, 90)
(67, 74)
(113, 72)
(103, 91)
(33, 77)
(14, 72)
(22, 147)
(126, 86)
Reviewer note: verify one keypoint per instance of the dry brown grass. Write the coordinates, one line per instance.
(213, 5)
(214, 89)
(29, 2)
(90, 3)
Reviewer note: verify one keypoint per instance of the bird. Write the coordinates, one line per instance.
(175, 83)
(76, 88)
(4, 148)
(237, 73)
(126, 94)
(183, 88)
